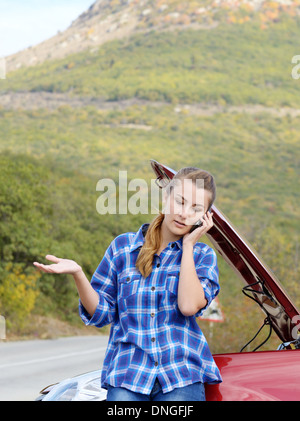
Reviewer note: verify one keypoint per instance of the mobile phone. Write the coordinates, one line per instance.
(198, 223)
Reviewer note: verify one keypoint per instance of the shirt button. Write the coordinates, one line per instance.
(152, 314)
(152, 288)
(172, 245)
(156, 363)
(158, 264)
(128, 279)
(153, 339)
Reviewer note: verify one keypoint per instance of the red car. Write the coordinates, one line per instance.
(247, 376)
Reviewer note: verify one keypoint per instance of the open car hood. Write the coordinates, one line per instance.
(261, 282)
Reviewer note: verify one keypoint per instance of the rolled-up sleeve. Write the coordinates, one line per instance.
(208, 274)
(104, 282)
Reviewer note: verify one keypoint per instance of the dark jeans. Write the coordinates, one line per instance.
(192, 392)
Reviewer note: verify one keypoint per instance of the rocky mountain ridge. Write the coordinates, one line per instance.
(107, 20)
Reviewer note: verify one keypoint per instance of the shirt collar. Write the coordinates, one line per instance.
(179, 242)
(139, 239)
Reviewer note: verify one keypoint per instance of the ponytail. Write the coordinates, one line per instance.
(151, 246)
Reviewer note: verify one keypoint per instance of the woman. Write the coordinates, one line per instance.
(150, 285)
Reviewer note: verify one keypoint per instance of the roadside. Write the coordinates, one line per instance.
(42, 327)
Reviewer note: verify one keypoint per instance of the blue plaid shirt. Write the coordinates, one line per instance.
(149, 337)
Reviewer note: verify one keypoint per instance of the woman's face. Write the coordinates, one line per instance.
(184, 206)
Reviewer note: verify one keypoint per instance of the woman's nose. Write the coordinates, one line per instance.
(183, 212)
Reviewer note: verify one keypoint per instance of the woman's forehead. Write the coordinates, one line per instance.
(189, 190)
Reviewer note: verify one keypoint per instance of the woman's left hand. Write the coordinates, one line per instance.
(191, 238)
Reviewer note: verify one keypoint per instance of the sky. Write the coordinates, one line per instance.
(24, 23)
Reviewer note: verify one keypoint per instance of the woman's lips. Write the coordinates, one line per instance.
(179, 224)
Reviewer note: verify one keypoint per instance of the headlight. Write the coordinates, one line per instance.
(86, 387)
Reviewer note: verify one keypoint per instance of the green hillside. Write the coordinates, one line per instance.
(230, 64)
(51, 161)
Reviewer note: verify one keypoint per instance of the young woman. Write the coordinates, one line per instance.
(151, 285)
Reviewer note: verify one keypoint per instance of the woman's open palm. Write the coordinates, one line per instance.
(59, 266)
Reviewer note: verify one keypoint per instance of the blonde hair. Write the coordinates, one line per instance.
(153, 236)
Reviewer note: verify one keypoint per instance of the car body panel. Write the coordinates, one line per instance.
(257, 376)
(248, 376)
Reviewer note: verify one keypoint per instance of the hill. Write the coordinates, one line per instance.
(232, 64)
(108, 20)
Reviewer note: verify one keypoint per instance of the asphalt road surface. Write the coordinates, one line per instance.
(26, 367)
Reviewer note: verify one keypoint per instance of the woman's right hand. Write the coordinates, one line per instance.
(88, 296)
(59, 266)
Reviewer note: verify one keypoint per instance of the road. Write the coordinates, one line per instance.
(26, 367)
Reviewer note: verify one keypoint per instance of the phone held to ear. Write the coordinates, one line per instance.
(198, 224)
